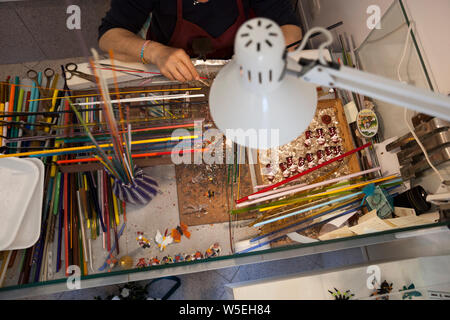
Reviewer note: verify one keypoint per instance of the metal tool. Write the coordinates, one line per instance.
(72, 70)
(44, 93)
(115, 68)
(120, 67)
(433, 126)
(435, 141)
(437, 157)
(48, 73)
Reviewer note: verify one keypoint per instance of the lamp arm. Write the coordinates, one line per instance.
(370, 85)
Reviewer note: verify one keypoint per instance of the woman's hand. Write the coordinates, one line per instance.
(173, 63)
(291, 34)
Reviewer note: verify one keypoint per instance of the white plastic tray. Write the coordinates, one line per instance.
(30, 229)
(18, 180)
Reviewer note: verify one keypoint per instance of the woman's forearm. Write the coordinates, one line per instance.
(126, 45)
(292, 33)
(173, 63)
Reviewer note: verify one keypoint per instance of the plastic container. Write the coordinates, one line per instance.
(18, 180)
(30, 229)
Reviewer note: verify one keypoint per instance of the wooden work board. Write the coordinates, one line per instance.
(196, 206)
(349, 165)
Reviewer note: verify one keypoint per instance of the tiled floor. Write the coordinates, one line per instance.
(34, 35)
(210, 284)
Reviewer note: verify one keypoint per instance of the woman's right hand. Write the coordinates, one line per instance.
(173, 63)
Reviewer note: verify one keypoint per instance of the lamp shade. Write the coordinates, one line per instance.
(251, 101)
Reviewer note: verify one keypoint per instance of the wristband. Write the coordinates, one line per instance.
(142, 51)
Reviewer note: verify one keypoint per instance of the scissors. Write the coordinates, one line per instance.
(48, 73)
(72, 71)
(110, 66)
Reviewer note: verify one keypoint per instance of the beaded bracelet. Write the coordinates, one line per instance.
(142, 51)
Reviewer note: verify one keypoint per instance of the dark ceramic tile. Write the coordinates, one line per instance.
(275, 268)
(228, 273)
(16, 41)
(47, 22)
(337, 259)
(200, 286)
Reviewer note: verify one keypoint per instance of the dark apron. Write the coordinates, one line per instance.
(186, 33)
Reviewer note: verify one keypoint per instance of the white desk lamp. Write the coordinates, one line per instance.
(256, 90)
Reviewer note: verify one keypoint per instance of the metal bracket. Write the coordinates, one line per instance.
(313, 71)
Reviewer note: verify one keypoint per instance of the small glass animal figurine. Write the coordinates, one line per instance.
(410, 294)
(384, 289)
(320, 136)
(301, 164)
(332, 131)
(163, 241)
(142, 241)
(310, 160)
(153, 261)
(320, 156)
(216, 248)
(167, 260)
(141, 263)
(112, 262)
(179, 258)
(328, 153)
(179, 231)
(209, 253)
(292, 167)
(308, 141)
(269, 173)
(213, 251)
(197, 256)
(284, 170)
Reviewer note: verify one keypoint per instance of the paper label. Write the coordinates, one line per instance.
(372, 225)
(368, 216)
(408, 221)
(404, 212)
(367, 122)
(351, 111)
(336, 234)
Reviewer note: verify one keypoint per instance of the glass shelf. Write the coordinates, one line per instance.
(380, 54)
